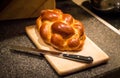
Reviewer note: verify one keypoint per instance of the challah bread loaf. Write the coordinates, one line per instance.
(60, 30)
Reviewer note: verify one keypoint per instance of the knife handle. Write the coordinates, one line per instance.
(85, 59)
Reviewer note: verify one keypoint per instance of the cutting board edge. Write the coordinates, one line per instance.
(60, 72)
(66, 72)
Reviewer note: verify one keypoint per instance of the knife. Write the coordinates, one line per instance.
(78, 58)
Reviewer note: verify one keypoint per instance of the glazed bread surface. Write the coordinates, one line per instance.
(60, 30)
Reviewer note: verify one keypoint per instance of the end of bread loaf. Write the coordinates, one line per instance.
(60, 30)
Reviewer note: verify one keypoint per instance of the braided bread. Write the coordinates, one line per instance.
(60, 30)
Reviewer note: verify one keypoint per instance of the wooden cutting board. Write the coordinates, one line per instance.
(64, 66)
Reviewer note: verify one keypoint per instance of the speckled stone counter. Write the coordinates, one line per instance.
(17, 65)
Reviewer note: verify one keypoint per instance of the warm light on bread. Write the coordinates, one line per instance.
(60, 30)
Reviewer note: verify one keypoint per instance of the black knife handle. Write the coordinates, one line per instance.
(80, 58)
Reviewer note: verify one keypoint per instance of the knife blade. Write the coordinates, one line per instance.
(74, 57)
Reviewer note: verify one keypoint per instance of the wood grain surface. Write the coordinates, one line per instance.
(17, 9)
(64, 66)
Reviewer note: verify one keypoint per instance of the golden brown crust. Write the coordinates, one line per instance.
(63, 29)
(60, 30)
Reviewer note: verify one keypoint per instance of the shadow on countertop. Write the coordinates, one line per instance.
(12, 28)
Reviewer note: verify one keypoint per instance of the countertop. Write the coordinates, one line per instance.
(17, 65)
